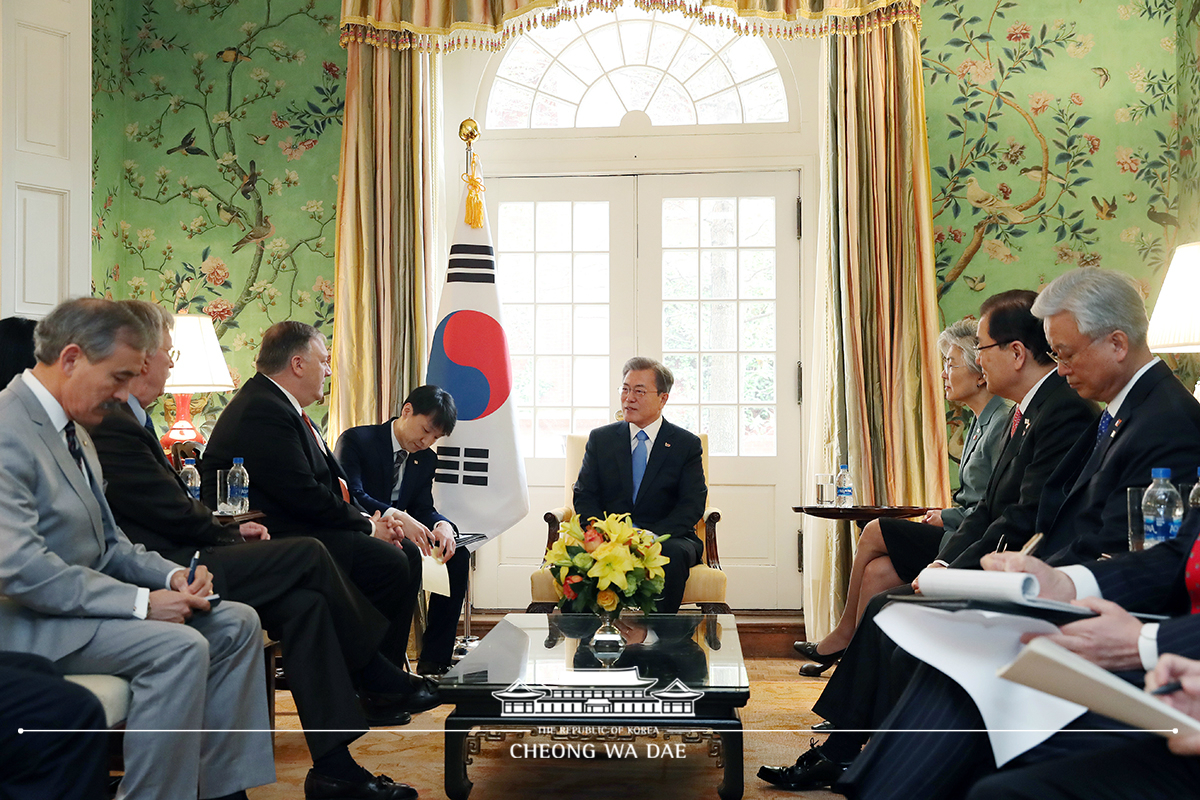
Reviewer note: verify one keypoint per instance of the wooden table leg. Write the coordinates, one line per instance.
(458, 786)
(733, 785)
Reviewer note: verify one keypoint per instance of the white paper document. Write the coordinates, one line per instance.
(969, 647)
(435, 578)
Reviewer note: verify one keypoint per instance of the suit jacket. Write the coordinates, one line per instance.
(1083, 511)
(1050, 427)
(148, 499)
(365, 453)
(64, 563)
(292, 479)
(981, 450)
(672, 495)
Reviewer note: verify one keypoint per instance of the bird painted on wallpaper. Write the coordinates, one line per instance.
(1130, 197)
(1105, 209)
(249, 180)
(1162, 217)
(984, 201)
(231, 54)
(259, 139)
(1035, 174)
(228, 214)
(187, 145)
(257, 234)
(1102, 73)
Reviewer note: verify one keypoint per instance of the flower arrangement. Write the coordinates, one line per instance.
(609, 566)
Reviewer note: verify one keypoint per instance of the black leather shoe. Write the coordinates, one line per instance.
(812, 770)
(423, 697)
(825, 726)
(376, 787)
(432, 668)
(809, 651)
(383, 714)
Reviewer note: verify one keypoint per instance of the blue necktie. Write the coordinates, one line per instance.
(1105, 420)
(639, 462)
(149, 425)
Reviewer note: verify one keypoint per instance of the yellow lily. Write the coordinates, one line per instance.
(653, 560)
(613, 563)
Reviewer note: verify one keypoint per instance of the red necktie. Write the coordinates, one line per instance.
(317, 436)
(1191, 576)
(1016, 421)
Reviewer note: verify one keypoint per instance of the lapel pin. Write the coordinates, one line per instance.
(666, 444)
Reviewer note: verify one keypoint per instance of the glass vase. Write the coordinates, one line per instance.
(608, 643)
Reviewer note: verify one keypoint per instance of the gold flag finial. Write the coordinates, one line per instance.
(468, 131)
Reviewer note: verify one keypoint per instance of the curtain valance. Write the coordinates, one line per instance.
(446, 25)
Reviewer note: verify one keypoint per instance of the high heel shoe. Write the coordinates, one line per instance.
(823, 660)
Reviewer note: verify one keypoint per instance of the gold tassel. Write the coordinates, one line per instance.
(474, 195)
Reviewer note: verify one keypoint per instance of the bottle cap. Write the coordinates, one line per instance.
(237, 461)
(843, 466)
(190, 462)
(1160, 473)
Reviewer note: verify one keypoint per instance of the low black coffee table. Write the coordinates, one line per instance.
(680, 673)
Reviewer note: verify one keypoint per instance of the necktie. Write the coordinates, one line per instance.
(639, 462)
(1016, 421)
(1105, 421)
(313, 430)
(397, 465)
(149, 425)
(73, 445)
(1191, 576)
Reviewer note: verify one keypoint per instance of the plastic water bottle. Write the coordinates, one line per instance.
(1162, 509)
(1194, 496)
(845, 487)
(191, 477)
(239, 487)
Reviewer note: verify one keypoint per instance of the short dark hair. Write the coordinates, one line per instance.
(95, 325)
(282, 341)
(1010, 319)
(663, 378)
(437, 403)
(16, 347)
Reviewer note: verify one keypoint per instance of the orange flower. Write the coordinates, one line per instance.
(592, 539)
(570, 593)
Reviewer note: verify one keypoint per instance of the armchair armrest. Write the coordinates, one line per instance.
(554, 518)
(711, 517)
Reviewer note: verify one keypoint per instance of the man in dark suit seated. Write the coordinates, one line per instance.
(37, 766)
(647, 467)
(296, 482)
(329, 632)
(389, 469)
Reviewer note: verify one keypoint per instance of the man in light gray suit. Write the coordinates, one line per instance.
(79, 593)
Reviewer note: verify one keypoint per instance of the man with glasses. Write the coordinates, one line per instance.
(647, 467)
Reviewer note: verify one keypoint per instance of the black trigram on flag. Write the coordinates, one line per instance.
(471, 263)
(465, 465)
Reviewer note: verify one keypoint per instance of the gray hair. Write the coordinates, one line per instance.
(156, 318)
(964, 335)
(282, 341)
(663, 378)
(96, 326)
(1100, 300)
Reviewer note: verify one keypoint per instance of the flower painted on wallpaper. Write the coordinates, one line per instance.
(259, 74)
(1081, 46)
(197, 225)
(137, 284)
(201, 195)
(1093, 143)
(1015, 152)
(1039, 102)
(1064, 254)
(1131, 234)
(331, 69)
(291, 177)
(130, 165)
(276, 187)
(1077, 98)
(222, 118)
(1122, 114)
(214, 270)
(939, 234)
(219, 309)
(277, 122)
(226, 159)
(1125, 12)
(131, 130)
(1127, 161)
(278, 245)
(200, 57)
(161, 173)
(249, 27)
(1167, 43)
(956, 235)
(145, 236)
(175, 102)
(998, 251)
(1139, 78)
(277, 46)
(235, 376)
(1089, 260)
(157, 81)
(299, 56)
(1173, 121)
(1019, 32)
(303, 298)
(294, 152)
(1005, 190)
(976, 71)
(324, 287)
(314, 208)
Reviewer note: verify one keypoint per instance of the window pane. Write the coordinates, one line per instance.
(718, 222)
(720, 423)
(756, 222)
(758, 431)
(685, 368)
(679, 326)
(553, 231)
(524, 64)
(747, 57)
(579, 60)
(522, 380)
(606, 46)
(718, 274)
(679, 275)
(516, 227)
(553, 330)
(671, 105)
(634, 85)
(553, 424)
(681, 225)
(509, 105)
(757, 273)
(562, 84)
(591, 227)
(549, 112)
(588, 418)
(514, 278)
(591, 329)
(765, 99)
(518, 327)
(525, 429)
(553, 380)
(635, 41)
(553, 277)
(711, 78)
(591, 277)
(718, 326)
(693, 55)
(758, 326)
(591, 381)
(601, 108)
(721, 109)
(718, 378)
(686, 417)
(758, 379)
(664, 42)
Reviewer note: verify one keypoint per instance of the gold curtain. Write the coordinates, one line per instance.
(887, 408)
(445, 25)
(388, 204)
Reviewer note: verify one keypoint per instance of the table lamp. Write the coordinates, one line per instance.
(1175, 325)
(199, 367)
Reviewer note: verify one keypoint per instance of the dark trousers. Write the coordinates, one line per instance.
(48, 766)
(327, 629)
(684, 553)
(388, 575)
(441, 623)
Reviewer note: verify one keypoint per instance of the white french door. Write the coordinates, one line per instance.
(700, 271)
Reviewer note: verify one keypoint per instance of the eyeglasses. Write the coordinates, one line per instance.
(636, 391)
(173, 354)
(947, 366)
(995, 344)
(1066, 360)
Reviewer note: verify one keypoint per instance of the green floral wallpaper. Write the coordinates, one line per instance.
(217, 132)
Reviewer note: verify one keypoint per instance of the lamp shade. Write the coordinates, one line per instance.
(201, 365)
(1175, 325)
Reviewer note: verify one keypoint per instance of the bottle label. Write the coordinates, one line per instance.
(1159, 529)
(194, 491)
(845, 491)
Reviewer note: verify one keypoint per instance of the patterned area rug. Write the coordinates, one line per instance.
(776, 722)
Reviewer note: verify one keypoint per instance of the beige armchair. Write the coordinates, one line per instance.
(706, 582)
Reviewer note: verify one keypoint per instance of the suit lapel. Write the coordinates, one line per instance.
(624, 458)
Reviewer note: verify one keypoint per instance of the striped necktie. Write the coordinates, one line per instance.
(397, 465)
(1016, 421)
